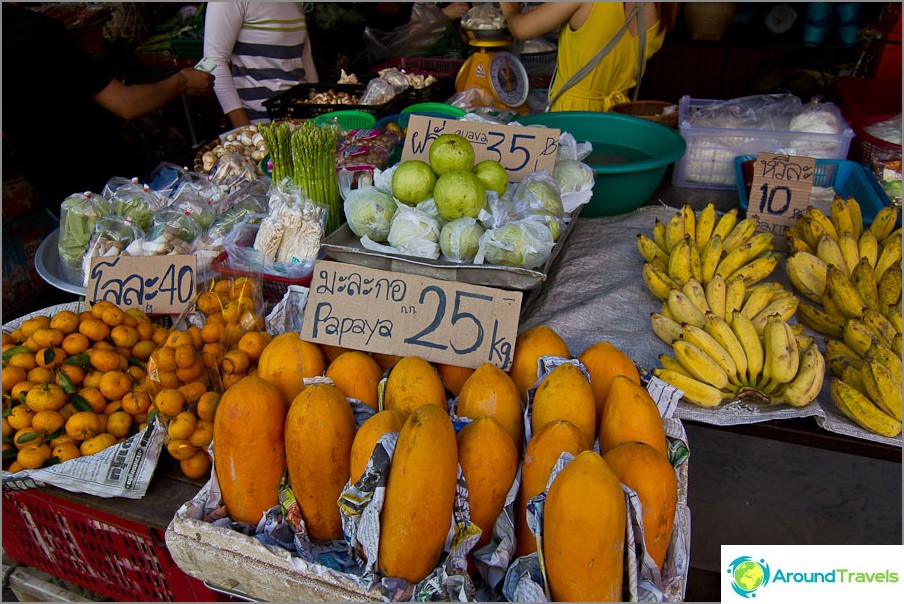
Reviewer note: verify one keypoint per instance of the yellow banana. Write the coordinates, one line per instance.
(893, 314)
(706, 222)
(879, 324)
(896, 233)
(680, 261)
(695, 391)
(854, 378)
(817, 216)
(666, 312)
(715, 292)
(696, 262)
(708, 344)
(798, 244)
(858, 336)
(820, 321)
(864, 281)
(740, 234)
(813, 230)
(891, 253)
(666, 329)
(757, 270)
(683, 310)
(783, 305)
(829, 306)
(896, 344)
(856, 216)
(829, 252)
(758, 297)
(690, 221)
(760, 243)
(782, 357)
(694, 291)
(837, 348)
(850, 251)
(807, 274)
(889, 286)
(840, 365)
(734, 295)
(733, 260)
(657, 281)
(709, 257)
(721, 332)
(803, 341)
(861, 410)
(882, 387)
(868, 247)
(805, 386)
(887, 357)
(753, 346)
(672, 364)
(726, 223)
(840, 215)
(649, 250)
(884, 222)
(842, 293)
(674, 231)
(699, 364)
(659, 235)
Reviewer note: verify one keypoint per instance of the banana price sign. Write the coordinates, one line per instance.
(519, 149)
(780, 191)
(408, 315)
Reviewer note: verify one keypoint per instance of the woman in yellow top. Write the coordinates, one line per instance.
(586, 27)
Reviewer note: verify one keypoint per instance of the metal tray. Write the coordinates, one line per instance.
(344, 246)
(47, 262)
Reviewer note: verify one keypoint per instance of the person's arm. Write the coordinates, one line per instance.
(547, 17)
(222, 23)
(307, 60)
(129, 102)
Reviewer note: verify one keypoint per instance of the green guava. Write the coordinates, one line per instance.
(459, 193)
(413, 181)
(451, 152)
(492, 175)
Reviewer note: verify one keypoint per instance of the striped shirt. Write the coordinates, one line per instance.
(261, 49)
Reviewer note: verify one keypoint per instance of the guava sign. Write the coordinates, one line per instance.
(780, 190)
(519, 149)
(408, 315)
(153, 284)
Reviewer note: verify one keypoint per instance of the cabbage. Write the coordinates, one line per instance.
(460, 238)
(369, 211)
(523, 243)
(572, 176)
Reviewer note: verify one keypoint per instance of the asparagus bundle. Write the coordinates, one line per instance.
(314, 159)
(277, 138)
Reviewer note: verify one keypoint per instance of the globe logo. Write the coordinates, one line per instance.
(748, 575)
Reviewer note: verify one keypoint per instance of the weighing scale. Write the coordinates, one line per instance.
(498, 72)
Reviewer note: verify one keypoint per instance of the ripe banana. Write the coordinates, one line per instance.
(783, 305)
(840, 215)
(843, 294)
(665, 328)
(813, 231)
(710, 256)
(674, 231)
(896, 344)
(829, 251)
(889, 286)
(699, 364)
(798, 244)
(807, 274)
(695, 391)
(884, 222)
(858, 336)
(864, 281)
(893, 314)
(740, 234)
(649, 250)
(782, 358)
(856, 216)
(820, 223)
(753, 346)
(659, 235)
(862, 411)
(683, 310)
(715, 292)
(726, 223)
(891, 253)
(837, 348)
(690, 221)
(680, 261)
(868, 247)
(818, 320)
(733, 260)
(696, 262)
(657, 281)
(880, 325)
(758, 297)
(805, 386)
(709, 345)
(722, 333)
(756, 271)
(882, 387)
(850, 251)
(829, 306)
(759, 244)
(853, 377)
(706, 222)
(734, 295)
(887, 357)
(694, 291)
(840, 365)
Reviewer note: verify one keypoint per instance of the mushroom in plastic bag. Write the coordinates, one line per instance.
(113, 236)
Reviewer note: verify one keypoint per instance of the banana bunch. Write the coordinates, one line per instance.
(701, 247)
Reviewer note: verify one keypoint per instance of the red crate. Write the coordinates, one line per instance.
(114, 557)
(274, 287)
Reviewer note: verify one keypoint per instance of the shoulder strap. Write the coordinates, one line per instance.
(592, 63)
(641, 45)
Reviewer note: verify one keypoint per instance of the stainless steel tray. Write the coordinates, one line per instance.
(49, 266)
(344, 246)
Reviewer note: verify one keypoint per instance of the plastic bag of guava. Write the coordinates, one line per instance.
(369, 212)
(412, 233)
(459, 239)
(575, 180)
(525, 243)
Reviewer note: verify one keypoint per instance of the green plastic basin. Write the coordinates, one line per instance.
(630, 155)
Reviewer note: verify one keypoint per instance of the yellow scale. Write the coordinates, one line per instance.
(498, 72)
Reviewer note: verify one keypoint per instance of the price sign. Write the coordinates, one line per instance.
(408, 315)
(153, 284)
(780, 191)
(519, 149)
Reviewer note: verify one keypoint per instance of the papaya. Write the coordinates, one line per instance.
(630, 414)
(287, 360)
(320, 428)
(603, 362)
(489, 462)
(540, 455)
(249, 446)
(530, 345)
(357, 375)
(413, 382)
(390, 420)
(453, 376)
(649, 473)
(330, 352)
(420, 493)
(490, 391)
(584, 532)
(565, 394)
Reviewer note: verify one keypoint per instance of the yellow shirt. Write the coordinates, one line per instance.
(614, 75)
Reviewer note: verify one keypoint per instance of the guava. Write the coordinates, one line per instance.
(450, 152)
(459, 239)
(492, 175)
(459, 193)
(413, 181)
(541, 195)
(369, 211)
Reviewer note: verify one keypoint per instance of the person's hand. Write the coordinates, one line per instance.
(456, 10)
(196, 81)
(509, 8)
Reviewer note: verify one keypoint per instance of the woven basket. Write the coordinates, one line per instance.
(650, 110)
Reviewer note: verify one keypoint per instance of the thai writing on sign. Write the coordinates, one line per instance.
(519, 149)
(780, 190)
(408, 315)
(153, 284)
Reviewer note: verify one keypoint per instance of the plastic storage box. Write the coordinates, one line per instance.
(708, 162)
(289, 103)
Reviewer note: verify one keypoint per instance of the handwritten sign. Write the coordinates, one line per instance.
(154, 284)
(407, 315)
(780, 191)
(519, 149)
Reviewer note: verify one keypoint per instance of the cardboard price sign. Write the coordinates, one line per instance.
(407, 315)
(519, 149)
(153, 284)
(780, 190)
